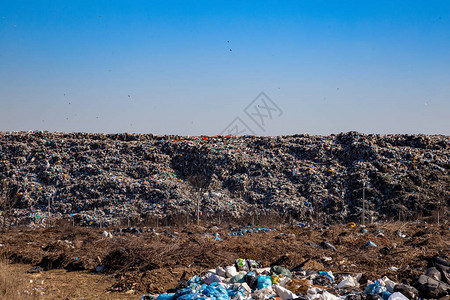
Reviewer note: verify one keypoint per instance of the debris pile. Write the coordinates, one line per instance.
(97, 179)
(247, 279)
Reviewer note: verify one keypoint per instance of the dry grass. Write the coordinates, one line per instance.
(12, 286)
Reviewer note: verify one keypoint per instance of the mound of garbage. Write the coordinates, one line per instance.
(246, 279)
(97, 179)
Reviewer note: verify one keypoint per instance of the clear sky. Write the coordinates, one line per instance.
(191, 67)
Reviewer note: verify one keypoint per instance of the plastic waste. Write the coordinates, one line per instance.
(195, 279)
(363, 231)
(325, 296)
(252, 264)
(190, 296)
(239, 278)
(370, 244)
(375, 288)
(264, 293)
(348, 282)
(374, 297)
(328, 274)
(279, 270)
(275, 279)
(263, 282)
(251, 280)
(431, 288)
(328, 246)
(241, 264)
(221, 272)
(100, 269)
(215, 291)
(408, 291)
(166, 296)
(389, 284)
(107, 234)
(284, 293)
(211, 278)
(385, 295)
(353, 297)
(433, 273)
(397, 296)
(400, 234)
(230, 271)
(283, 281)
(186, 291)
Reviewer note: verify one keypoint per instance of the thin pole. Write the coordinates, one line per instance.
(364, 205)
(49, 213)
(438, 213)
(439, 205)
(198, 206)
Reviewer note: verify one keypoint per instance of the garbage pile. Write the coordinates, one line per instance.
(97, 179)
(244, 231)
(247, 279)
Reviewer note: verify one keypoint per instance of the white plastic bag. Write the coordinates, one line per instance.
(230, 271)
(283, 293)
(348, 282)
(397, 296)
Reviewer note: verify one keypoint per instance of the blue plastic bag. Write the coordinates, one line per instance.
(325, 273)
(263, 282)
(190, 296)
(216, 291)
(166, 296)
(374, 288)
(386, 295)
(196, 280)
(193, 288)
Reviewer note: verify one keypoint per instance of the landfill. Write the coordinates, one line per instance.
(247, 279)
(100, 179)
(207, 261)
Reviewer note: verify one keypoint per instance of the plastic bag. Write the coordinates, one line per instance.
(166, 296)
(348, 282)
(397, 296)
(231, 271)
(263, 282)
(284, 293)
(279, 270)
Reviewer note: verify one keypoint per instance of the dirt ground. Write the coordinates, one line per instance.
(153, 261)
(60, 284)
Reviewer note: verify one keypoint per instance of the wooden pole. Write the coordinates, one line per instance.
(49, 213)
(364, 204)
(198, 207)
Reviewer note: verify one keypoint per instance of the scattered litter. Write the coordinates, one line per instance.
(370, 244)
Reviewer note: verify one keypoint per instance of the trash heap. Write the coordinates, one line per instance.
(247, 279)
(244, 231)
(97, 179)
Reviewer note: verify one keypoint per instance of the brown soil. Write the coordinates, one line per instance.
(154, 262)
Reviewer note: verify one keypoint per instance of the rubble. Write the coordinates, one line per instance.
(100, 179)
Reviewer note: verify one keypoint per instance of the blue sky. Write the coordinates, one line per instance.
(165, 67)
